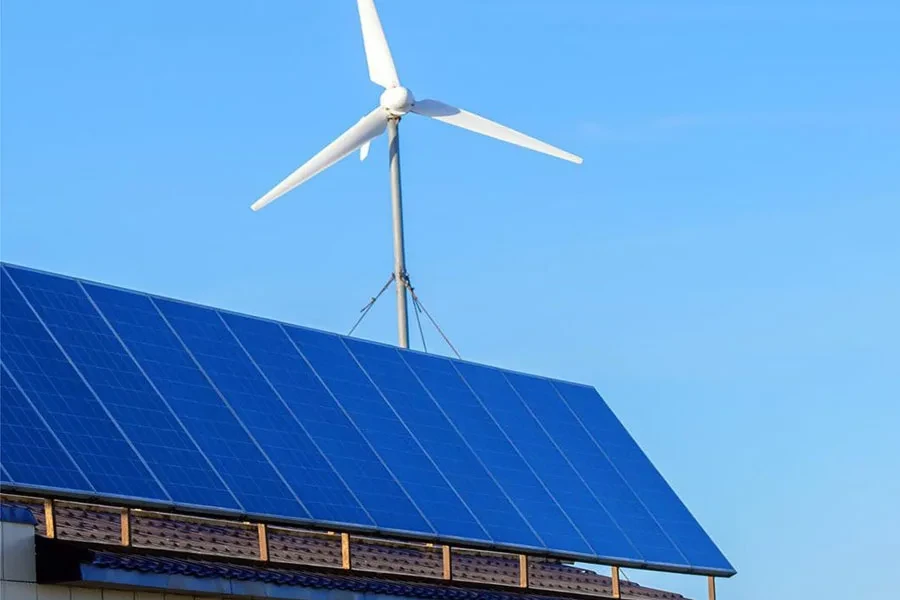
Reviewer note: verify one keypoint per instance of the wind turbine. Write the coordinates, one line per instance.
(396, 102)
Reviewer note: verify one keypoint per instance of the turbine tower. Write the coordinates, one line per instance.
(396, 101)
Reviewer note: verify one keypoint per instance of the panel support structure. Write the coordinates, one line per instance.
(712, 587)
(263, 534)
(448, 562)
(48, 519)
(616, 592)
(125, 522)
(523, 571)
(345, 551)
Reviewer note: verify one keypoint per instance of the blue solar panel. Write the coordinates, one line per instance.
(255, 403)
(329, 427)
(30, 452)
(248, 474)
(592, 465)
(462, 468)
(116, 393)
(608, 433)
(68, 406)
(379, 424)
(123, 389)
(497, 453)
(567, 487)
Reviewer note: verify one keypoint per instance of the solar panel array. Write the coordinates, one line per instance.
(128, 396)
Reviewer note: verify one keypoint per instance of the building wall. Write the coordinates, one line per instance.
(17, 561)
(16, 590)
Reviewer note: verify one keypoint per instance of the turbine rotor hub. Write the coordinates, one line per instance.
(397, 101)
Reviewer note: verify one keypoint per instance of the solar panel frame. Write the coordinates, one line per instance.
(725, 570)
(401, 452)
(65, 399)
(699, 543)
(255, 404)
(325, 421)
(222, 436)
(488, 441)
(540, 451)
(122, 387)
(63, 466)
(467, 475)
(623, 505)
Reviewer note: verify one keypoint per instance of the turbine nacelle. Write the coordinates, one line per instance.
(397, 101)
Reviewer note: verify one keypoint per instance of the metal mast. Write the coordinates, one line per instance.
(400, 277)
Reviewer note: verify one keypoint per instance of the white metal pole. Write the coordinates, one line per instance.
(399, 251)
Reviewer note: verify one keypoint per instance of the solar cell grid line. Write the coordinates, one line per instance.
(247, 473)
(468, 476)
(122, 387)
(67, 404)
(505, 407)
(232, 373)
(459, 404)
(4, 476)
(610, 435)
(314, 407)
(362, 401)
(623, 503)
(30, 450)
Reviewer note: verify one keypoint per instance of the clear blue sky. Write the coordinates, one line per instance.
(725, 266)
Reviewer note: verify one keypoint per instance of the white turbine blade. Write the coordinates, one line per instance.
(367, 129)
(378, 54)
(472, 122)
(364, 150)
